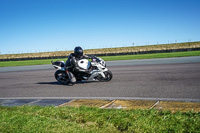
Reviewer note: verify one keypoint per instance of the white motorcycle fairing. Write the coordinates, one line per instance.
(84, 64)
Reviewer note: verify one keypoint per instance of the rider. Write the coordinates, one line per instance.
(72, 63)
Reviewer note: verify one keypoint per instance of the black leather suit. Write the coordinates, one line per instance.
(72, 63)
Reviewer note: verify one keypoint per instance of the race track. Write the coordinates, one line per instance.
(166, 79)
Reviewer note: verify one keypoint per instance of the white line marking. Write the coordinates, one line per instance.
(155, 104)
(33, 102)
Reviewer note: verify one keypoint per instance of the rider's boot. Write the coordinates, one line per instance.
(71, 77)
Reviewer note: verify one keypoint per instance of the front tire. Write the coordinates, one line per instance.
(62, 77)
(108, 76)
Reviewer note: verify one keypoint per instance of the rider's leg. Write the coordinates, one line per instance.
(71, 77)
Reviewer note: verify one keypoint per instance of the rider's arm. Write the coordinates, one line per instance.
(88, 56)
(70, 62)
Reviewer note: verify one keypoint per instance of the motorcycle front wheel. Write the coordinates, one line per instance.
(62, 77)
(108, 76)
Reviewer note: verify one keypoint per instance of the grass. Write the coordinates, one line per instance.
(26, 62)
(150, 56)
(90, 119)
(106, 58)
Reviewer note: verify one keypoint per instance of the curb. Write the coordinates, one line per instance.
(172, 106)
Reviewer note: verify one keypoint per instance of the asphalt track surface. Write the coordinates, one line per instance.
(172, 79)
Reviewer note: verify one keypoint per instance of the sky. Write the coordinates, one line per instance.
(28, 26)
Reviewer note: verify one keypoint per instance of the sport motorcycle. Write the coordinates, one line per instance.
(96, 67)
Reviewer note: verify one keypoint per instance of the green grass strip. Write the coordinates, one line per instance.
(26, 62)
(106, 58)
(151, 56)
(34, 119)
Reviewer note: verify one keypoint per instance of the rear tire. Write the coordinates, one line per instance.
(62, 77)
(108, 76)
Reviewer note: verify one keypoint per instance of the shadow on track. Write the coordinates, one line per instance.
(49, 83)
(57, 83)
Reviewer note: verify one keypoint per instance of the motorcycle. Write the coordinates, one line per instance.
(97, 71)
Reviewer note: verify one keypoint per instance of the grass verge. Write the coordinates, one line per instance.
(90, 119)
(106, 58)
(151, 56)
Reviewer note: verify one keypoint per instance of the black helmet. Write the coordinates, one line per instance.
(78, 51)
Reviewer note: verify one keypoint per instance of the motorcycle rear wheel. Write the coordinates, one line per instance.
(108, 76)
(62, 77)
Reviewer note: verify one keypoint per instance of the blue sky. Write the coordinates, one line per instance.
(56, 25)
